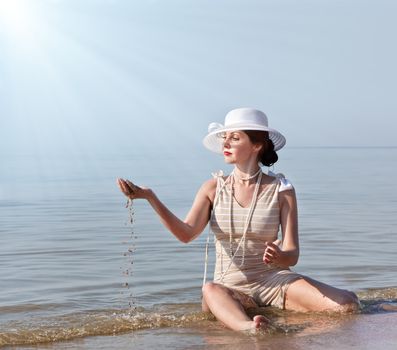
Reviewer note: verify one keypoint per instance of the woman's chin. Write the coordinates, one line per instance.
(228, 160)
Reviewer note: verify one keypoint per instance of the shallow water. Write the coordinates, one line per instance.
(67, 245)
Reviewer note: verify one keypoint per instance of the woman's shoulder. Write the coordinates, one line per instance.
(210, 183)
(209, 186)
(208, 189)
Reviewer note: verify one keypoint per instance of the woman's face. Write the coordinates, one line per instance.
(238, 148)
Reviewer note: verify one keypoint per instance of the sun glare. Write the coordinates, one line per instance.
(16, 18)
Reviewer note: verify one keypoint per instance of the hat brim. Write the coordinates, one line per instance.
(214, 142)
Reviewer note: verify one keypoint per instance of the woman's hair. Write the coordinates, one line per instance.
(267, 155)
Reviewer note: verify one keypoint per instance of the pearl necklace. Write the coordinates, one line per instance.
(247, 178)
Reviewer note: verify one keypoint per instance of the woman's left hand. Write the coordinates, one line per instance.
(273, 254)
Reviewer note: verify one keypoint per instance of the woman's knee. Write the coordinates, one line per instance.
(210, 288)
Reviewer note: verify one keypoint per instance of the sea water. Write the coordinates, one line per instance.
(73, 265)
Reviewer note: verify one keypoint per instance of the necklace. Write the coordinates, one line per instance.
(247, 178)
(241, 243)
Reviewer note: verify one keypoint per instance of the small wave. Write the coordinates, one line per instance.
(378, 293)
(111, 322)
(106, 322)
(375, 300)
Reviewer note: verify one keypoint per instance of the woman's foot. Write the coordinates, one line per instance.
(260, 322)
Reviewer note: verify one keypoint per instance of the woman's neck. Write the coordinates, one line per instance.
(246, 174)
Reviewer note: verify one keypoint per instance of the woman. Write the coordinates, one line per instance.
(245, 211)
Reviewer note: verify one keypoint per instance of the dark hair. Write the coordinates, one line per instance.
(267, 155)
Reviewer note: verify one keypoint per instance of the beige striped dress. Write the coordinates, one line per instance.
(247, 273)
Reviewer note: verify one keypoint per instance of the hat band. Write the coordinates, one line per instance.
(237, 126)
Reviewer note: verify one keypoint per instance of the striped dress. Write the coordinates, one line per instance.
(247, 273)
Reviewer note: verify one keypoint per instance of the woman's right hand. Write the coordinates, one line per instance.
(132, 191)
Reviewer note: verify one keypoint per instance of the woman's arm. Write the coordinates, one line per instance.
(196, 219)
(288, 255)
(289, 227)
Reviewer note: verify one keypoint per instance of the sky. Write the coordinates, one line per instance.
(117, 76)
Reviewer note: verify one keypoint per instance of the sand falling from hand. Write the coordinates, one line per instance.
(128, 253)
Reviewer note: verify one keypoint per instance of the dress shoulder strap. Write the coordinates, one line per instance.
(218, 175)
(285, 184)
(220, 183)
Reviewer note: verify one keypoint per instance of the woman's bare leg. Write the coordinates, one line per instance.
(220, 301)
(307, 294)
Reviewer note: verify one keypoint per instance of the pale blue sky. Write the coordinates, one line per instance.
(95, 76)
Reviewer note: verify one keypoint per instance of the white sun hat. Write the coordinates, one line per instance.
(241, 119)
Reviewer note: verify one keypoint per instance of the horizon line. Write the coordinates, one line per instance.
(122, 153)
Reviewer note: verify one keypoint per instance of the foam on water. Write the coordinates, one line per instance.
(101, 322)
